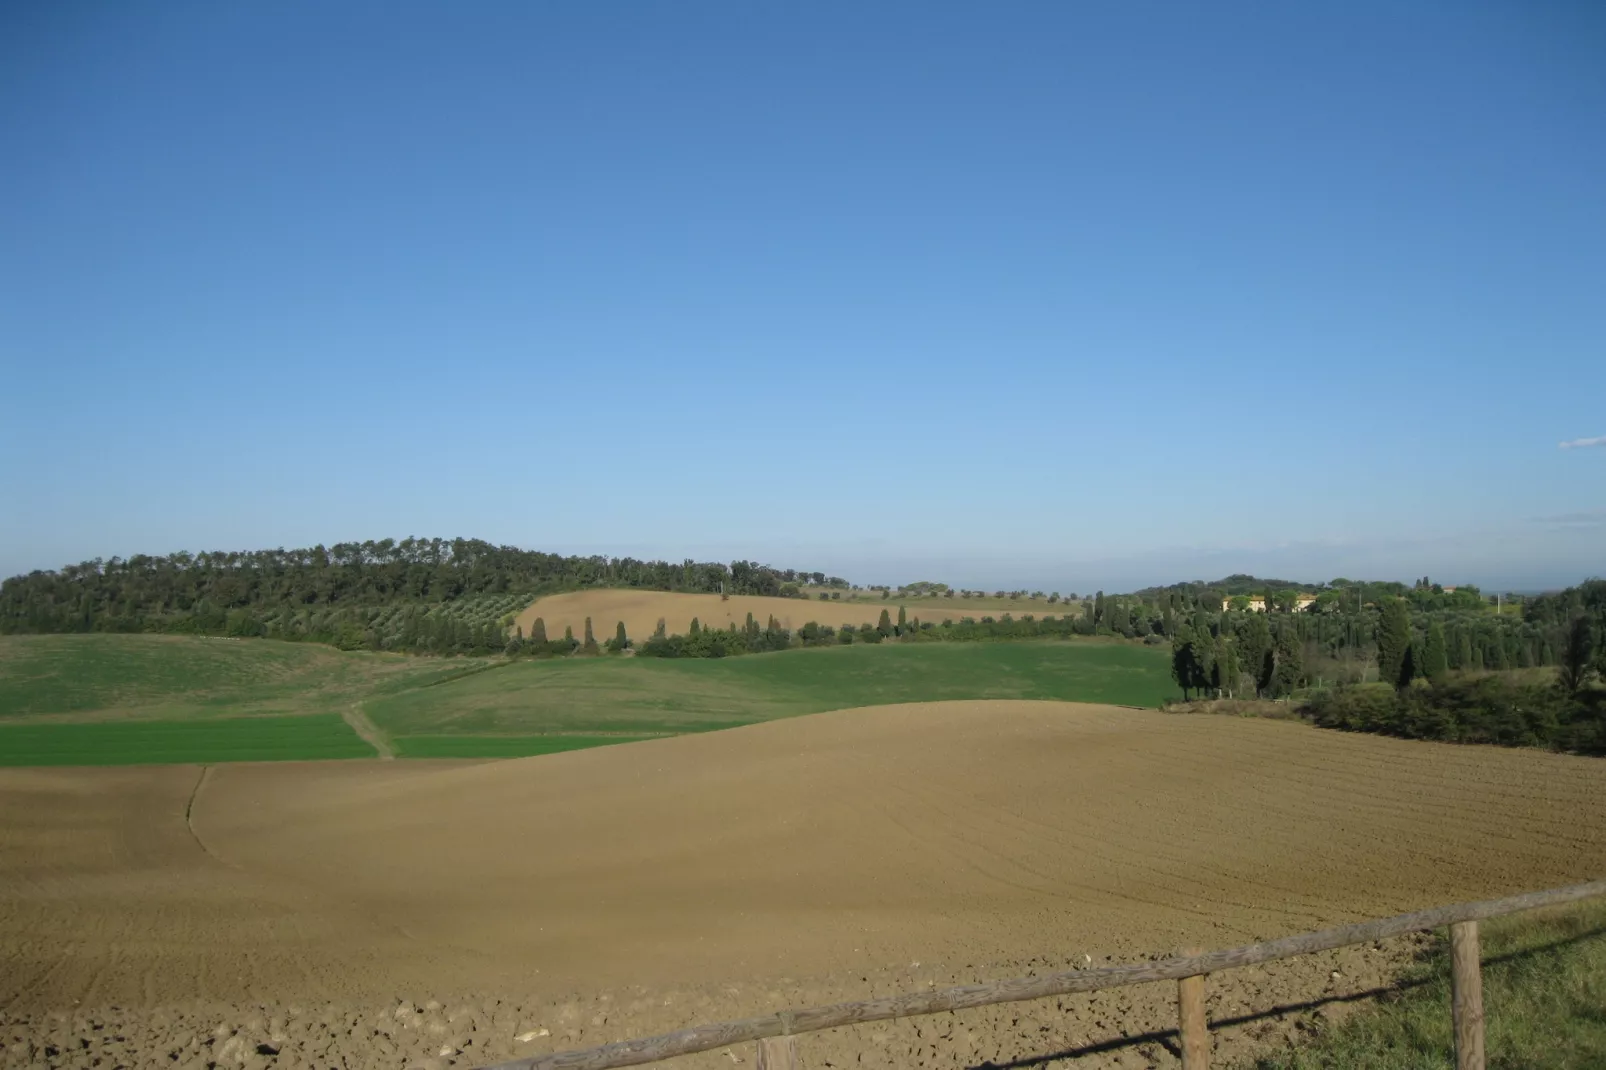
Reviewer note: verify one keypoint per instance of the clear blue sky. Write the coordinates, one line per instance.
(1071, 295)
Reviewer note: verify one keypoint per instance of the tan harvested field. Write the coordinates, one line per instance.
(641, 610)
(603, 894)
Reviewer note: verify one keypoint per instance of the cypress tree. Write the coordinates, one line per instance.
(696, 628)
(1290, 664)
(1227, 664)
(1265, 671)
(1186, 668)
(659, 632)
(1435, 654)
(538, 632)
(1257, 650)
(903, 621)
(620, 641)
(1577, 654)
(590, 644)
(1394, 663)
(884, 625)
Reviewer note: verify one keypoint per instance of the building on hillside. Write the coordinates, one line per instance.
(1257, 603)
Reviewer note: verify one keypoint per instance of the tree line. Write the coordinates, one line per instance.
(212, 593)
(1487, 708)
(1418, 693)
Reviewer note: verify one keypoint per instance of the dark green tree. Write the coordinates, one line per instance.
(621, 642)
(1577, 654)
(1394, 662)
(1599, 630)
(903, 621)
(696, 627)
(1256, 645)
(660, 631)
(1435, 654)
(1187, 665)
(884, 625)
(538, 633)
(1226, 667)
(1288, 672)
(590, 644)
(1265, 672)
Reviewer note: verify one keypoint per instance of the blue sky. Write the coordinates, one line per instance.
(1069, 295)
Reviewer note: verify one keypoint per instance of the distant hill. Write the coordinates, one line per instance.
(336, 594)
(1240, 583)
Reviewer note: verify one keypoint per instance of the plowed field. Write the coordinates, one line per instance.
(607, 893)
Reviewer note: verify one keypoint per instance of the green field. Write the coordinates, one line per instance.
(502, 746)
(221, 739)
(105, 699)
(649, 695)
(163, 677)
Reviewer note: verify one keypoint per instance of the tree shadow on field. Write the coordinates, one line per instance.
(1167, 1038)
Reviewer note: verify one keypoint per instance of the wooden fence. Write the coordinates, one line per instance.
(777, 1034)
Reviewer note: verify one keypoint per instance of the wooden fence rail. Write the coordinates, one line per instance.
(776, 1032)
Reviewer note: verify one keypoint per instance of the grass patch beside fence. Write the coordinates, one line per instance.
(1544, 997)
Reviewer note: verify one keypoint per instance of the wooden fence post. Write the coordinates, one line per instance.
(1195, 1027)
(1466, 995)
(777, 1053)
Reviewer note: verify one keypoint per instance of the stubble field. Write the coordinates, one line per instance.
(365, 914)
(641, 610)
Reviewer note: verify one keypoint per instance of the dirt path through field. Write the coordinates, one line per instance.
(363, 725)
(393, 912)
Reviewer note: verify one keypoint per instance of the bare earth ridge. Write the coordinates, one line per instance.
(371, 914)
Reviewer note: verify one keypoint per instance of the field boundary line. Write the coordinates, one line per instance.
(1188, 970)
(369, 732)
(189, 815)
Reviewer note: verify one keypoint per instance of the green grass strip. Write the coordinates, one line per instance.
(500, 746)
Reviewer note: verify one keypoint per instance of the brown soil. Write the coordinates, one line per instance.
(641, 610)
(379, 914)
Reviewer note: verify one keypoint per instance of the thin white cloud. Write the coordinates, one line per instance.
(1590, 518)
(1581, 443)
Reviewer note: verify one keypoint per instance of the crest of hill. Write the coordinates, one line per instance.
(1236, 584)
